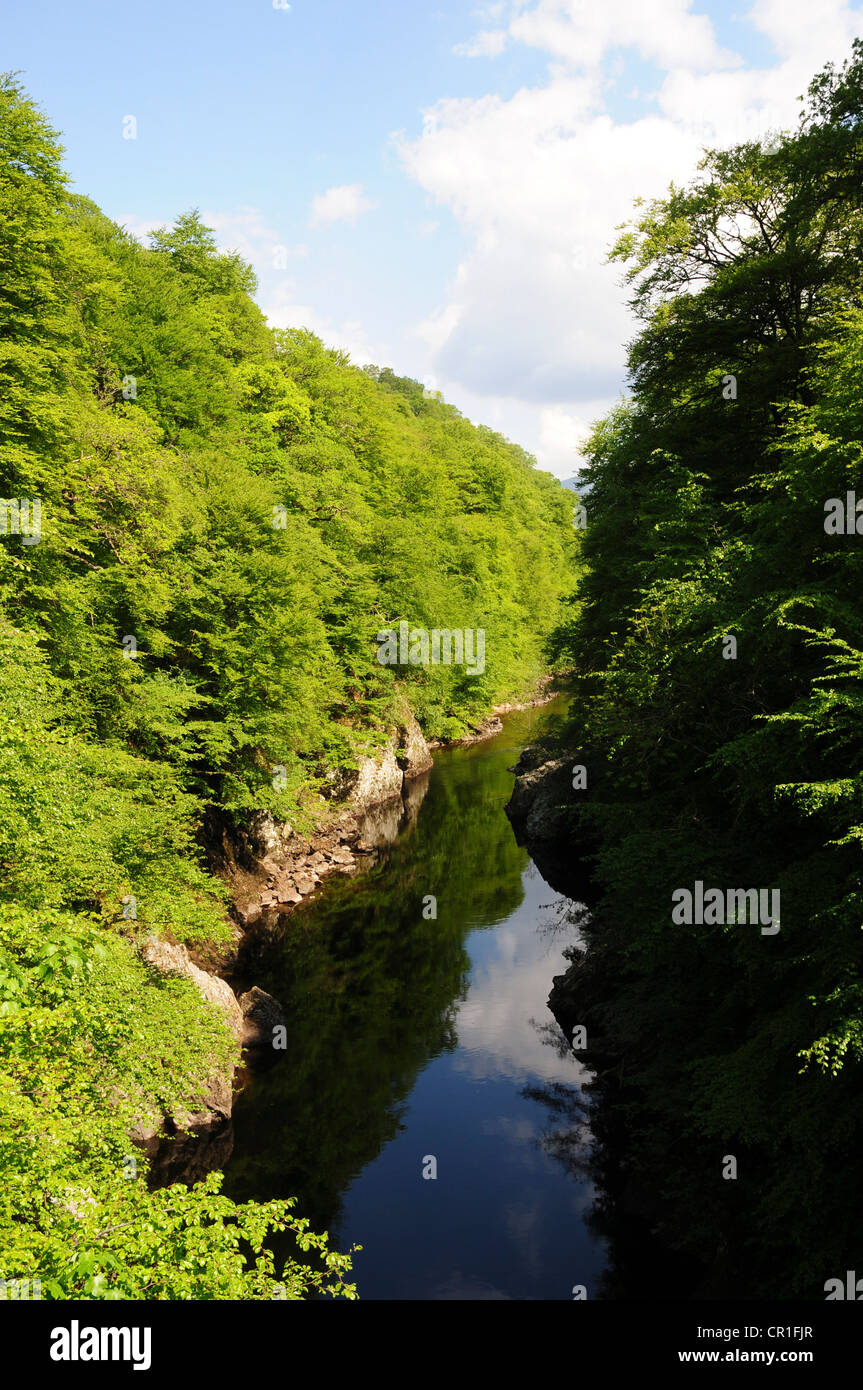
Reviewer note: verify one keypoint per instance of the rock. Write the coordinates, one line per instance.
(188, 1157)
(146, 1137)
(262, 1013)
(548, 819)
(174, 960)
(304, 883)
(537, 807)
(530, 758)
(210, 1107)
(413, 755)
(542, 811)
(215, 1100)
(267, 837)
(249, 915)
(378, 779)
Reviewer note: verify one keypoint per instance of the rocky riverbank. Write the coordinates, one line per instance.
(543, 811)
(270, 868)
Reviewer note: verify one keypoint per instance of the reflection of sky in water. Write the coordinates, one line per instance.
(374, 1090)
(504, 1219)
(514, 964)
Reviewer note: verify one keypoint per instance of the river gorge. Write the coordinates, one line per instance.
(427, 1105)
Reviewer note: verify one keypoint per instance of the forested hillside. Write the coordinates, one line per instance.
(719, 633)
(205, 525)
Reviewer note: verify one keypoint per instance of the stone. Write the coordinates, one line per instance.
(378, 779)
(174, 960)
(537, 796)
(414, 754)
(261, 1013)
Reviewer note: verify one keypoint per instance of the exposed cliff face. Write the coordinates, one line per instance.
(540, 810)
(541, 798)
(382, 775)
(271, 867)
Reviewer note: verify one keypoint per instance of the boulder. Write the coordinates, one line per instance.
(268, 839)
(261, 1014)
(378, 779)
(539, 801)
(174, 960)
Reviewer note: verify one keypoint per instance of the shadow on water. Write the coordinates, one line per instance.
(413, 1038)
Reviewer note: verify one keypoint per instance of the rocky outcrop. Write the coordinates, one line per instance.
(379, 778)
(171, 959)
(541, 798)
(413, 753)
(271, 867)
(275, 868)
(262, 1015)
(541, 814)
(191, 1140)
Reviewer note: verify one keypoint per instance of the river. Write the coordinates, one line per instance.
(421, 1044)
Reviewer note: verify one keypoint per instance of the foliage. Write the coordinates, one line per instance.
(229, 515)
(707, 519)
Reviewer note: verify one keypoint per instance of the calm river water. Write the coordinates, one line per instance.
(414, 1039)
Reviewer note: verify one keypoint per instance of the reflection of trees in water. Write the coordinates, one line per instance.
(371, 989)
(563, 918)
(566, 1136)
(584, 1133)
(674, 1228)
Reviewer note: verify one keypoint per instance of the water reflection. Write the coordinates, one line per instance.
(413, 1037)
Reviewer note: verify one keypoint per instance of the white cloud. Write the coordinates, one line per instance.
(561, 434)
(490, 43)
(530, 333)
(439, 327)
(284, 309)
(581, 34)
(344, 203)
(800, 30)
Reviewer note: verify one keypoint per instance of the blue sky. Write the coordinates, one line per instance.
(430, 188)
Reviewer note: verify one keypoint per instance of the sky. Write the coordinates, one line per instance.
(429, 187)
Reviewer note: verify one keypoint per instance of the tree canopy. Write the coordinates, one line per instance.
(719, 635)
